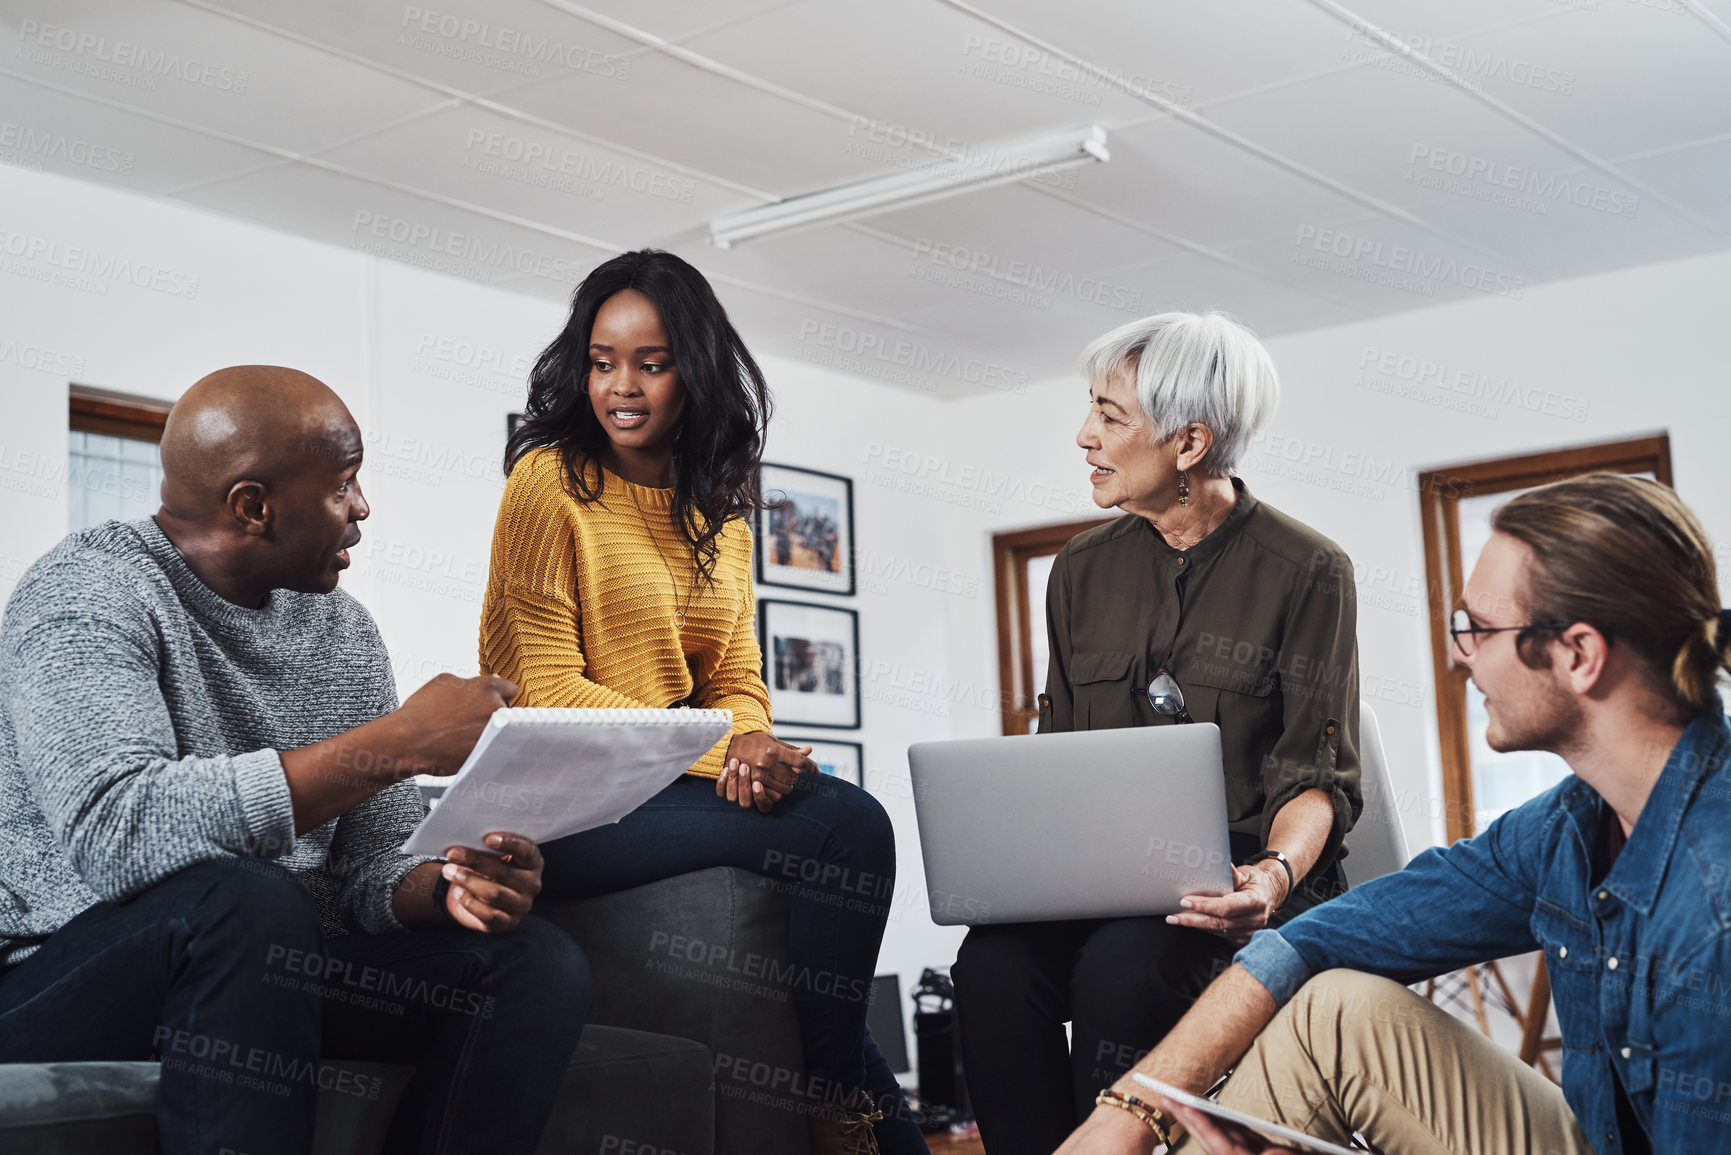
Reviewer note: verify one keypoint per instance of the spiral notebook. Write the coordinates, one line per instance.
(546, 773)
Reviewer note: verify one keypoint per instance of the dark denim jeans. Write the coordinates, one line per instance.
(833, 847)
(221, 972)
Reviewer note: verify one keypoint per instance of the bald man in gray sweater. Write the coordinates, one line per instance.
(205, 778)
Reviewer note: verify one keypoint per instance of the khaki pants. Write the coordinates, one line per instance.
(1354, 1052)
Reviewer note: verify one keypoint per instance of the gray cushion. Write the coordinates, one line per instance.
(631, 1091)
(704, 956)
(635, 1086)
(77, 1108)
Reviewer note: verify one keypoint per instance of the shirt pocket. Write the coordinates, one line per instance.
(1104, 682)
(1571, 958)
(1241, 701)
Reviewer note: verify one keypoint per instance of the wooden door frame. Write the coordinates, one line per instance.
(1440, 491)
(1011, 552)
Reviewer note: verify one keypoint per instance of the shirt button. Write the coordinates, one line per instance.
(1562, 952)
(1180, 561)
(1603, 895)
(1611, 962)
(1627, 1052)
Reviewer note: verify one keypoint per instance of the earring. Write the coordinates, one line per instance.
(1183, 489)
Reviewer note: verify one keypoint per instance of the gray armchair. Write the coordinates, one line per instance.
(689, 1049)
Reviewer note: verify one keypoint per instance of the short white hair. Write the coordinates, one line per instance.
(1193, 367)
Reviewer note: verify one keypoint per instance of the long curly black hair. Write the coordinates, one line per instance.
(718, 443)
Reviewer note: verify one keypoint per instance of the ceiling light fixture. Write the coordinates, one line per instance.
(977, 168)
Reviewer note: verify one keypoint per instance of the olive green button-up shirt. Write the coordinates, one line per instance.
(1257, 622)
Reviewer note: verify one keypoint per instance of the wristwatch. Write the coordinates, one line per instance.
(1285, 863)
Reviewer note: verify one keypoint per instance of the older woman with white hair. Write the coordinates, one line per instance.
(1200, 595)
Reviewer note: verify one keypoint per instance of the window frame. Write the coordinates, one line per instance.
(104, 411)
(1440, 491)
(1011, 553)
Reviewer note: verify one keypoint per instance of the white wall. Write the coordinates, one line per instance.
(1594, 359)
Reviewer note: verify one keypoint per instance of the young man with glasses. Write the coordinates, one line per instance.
(1592, 625)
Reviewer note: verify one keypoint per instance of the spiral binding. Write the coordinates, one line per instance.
(566, 715)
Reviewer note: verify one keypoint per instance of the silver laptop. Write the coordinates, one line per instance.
(1093, 824)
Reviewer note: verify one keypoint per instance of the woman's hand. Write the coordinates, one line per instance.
(1236, 916)
(1220, 1137)
(761, 769)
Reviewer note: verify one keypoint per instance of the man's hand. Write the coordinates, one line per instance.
(1220, 1137)
(761, 769)
(442, 720)
(1242, 913)
(432, 733)
(491, 893)
(1109, 1131)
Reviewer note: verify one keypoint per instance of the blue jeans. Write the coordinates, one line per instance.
(222, 973)
(833, 847)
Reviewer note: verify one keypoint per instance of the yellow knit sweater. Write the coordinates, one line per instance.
(580, 605)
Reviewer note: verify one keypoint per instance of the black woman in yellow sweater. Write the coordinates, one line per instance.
(621, 577)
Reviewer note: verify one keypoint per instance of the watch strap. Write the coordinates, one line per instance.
(1285, 864)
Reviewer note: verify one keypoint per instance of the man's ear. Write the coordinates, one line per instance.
(1194, 441)
(248, 506)
(1584, 651)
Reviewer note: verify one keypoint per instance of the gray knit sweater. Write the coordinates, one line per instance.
(140, 720)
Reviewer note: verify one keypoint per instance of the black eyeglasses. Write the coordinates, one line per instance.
(1165, 696)
(1465, 634)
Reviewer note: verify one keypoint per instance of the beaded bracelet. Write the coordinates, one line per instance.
(1153, 1116)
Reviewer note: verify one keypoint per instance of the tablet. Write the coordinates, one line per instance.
(1271, 1131)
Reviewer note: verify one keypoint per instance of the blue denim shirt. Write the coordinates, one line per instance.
(1640, 964)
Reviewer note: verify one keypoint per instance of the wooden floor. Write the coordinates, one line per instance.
(955, 1145)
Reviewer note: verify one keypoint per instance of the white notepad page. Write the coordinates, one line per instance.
(546, 773)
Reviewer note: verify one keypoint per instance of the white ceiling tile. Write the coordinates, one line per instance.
(467, 45)
(205, 71)
(1017, 231)
(1364, 128)
(911, 67)
(1623, 77)
(832, 264)
(1181, 180)
(1191, 53)
(1383, 265)
(928, 364)
(708, 123)
(1424, 24)
(1556, 224)
(524, 170)
(364, 217)
(60, 132)
(679, 19)
(1697, 177)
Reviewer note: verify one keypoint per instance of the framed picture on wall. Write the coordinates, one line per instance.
(810, 663)
(845, 760)
(805, 537)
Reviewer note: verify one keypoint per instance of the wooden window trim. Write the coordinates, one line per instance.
(114, 414)
(1011, 553)
(1440, 491)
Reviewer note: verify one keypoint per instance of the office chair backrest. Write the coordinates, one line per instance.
(1377, 843)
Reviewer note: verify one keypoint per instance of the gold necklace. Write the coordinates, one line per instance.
(691, 591)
